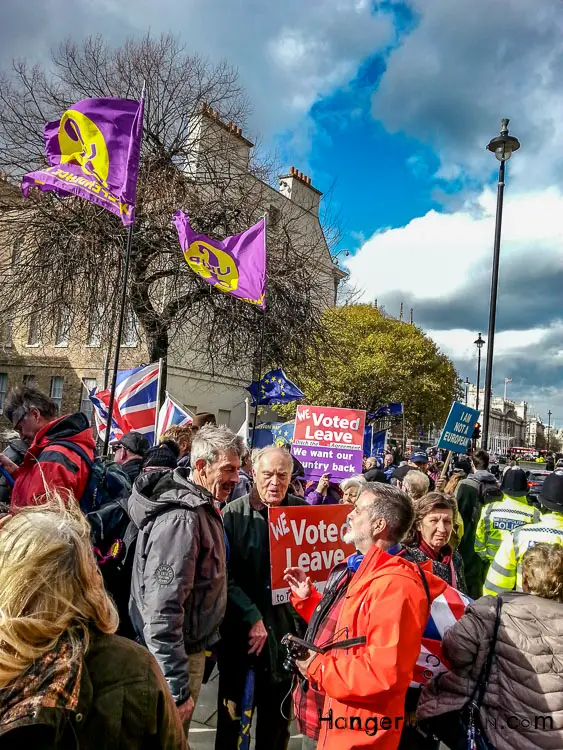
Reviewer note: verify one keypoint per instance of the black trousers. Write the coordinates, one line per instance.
(272, 727)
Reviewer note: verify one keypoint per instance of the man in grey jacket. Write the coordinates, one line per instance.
(179, 583)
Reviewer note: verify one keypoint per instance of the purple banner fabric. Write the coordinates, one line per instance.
(340, 463)
(93, 152)
(235, 265)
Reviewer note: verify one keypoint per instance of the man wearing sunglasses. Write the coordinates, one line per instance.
(49, 464)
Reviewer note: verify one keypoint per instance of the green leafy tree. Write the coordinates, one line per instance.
(372, 359)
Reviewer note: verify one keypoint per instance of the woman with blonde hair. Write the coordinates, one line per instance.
(351, 488)
(66, 681)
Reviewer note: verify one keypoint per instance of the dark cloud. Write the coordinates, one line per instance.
(468, 64)
(529, 296)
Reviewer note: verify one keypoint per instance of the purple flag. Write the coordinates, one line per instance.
(235, 265)
(93, 152)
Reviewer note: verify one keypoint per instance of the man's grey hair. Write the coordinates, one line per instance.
(358, 481)
(209, 441)
(393, 505)
(415, 483)
(260, 453)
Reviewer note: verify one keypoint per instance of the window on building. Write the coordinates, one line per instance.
(64, 322)
(30, 381)
(57, 383)
(3, 389)
(33, 331)
(274, 215)
(6, 333)
(85, 403)
(224, 417)
(95, 325)
(17, 246)
(130, 336)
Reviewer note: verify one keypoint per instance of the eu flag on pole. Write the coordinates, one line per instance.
(274, 388)
(392, 409)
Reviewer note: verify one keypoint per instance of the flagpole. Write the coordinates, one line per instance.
(158, 399)
(119, 335)
(261, 347)
(121, 320)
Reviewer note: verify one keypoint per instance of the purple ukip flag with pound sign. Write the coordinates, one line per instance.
(93, 152)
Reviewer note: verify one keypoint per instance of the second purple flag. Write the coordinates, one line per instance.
(235, 265)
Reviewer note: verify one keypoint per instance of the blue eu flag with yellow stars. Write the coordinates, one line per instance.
(274, 388)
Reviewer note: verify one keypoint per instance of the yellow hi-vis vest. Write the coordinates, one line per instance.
(505, 572)
(499, 520)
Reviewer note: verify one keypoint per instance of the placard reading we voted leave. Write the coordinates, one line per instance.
(329, 441)
(309, 537)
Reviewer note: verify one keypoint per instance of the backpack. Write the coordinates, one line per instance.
(487, 492)
(113, 534)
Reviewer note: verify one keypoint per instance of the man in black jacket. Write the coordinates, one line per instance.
(253, 627)
(129, 453)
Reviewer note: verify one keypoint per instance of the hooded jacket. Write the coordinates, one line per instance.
(179, 582)
(469, 496)
(54, 467)
(524, 691)
(386, 602)
(114, 697)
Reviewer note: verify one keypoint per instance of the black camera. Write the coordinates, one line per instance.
(296, 650)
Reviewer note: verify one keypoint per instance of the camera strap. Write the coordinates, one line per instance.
(347, 643)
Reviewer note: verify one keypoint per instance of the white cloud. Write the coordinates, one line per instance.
(436, 255)
(458, 343)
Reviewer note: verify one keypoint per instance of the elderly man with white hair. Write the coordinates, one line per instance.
(179, 582)
(253, 627)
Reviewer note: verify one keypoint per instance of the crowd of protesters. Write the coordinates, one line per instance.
(168, 546)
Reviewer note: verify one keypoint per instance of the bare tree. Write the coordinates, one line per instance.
(69, 252)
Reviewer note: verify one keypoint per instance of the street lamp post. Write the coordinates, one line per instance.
(549, 413)
(479, 343)
(502, 147)
(466, 389)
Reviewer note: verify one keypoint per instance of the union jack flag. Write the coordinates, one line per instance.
(172, 413)
(135, 403)
(100, 403)
(446, 610)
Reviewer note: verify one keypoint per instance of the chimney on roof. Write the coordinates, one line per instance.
(401, 312)
(298, 188)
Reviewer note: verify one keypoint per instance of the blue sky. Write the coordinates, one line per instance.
(388, 106)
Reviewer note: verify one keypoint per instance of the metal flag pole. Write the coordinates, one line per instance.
(120, 324)
(261, 360)
(159, 399)
(119, 335)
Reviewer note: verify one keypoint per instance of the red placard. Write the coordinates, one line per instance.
(309, 537)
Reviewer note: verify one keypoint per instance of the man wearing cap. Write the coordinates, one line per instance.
(501, 519)
(129, 453)
(505, 572)
(418, 459)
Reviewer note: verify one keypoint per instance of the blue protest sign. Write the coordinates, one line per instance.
(458, 430)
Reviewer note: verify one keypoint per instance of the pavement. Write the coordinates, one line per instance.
(202, 728)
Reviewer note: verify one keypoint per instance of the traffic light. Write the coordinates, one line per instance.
(477, 431)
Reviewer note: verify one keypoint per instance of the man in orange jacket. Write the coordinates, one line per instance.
(386, 602)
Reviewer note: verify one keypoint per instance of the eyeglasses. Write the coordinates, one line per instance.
(20, 420)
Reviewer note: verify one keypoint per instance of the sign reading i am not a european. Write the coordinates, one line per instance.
(458, 430)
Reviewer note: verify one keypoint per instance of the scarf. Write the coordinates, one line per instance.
(444, 555)
(53, 681)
